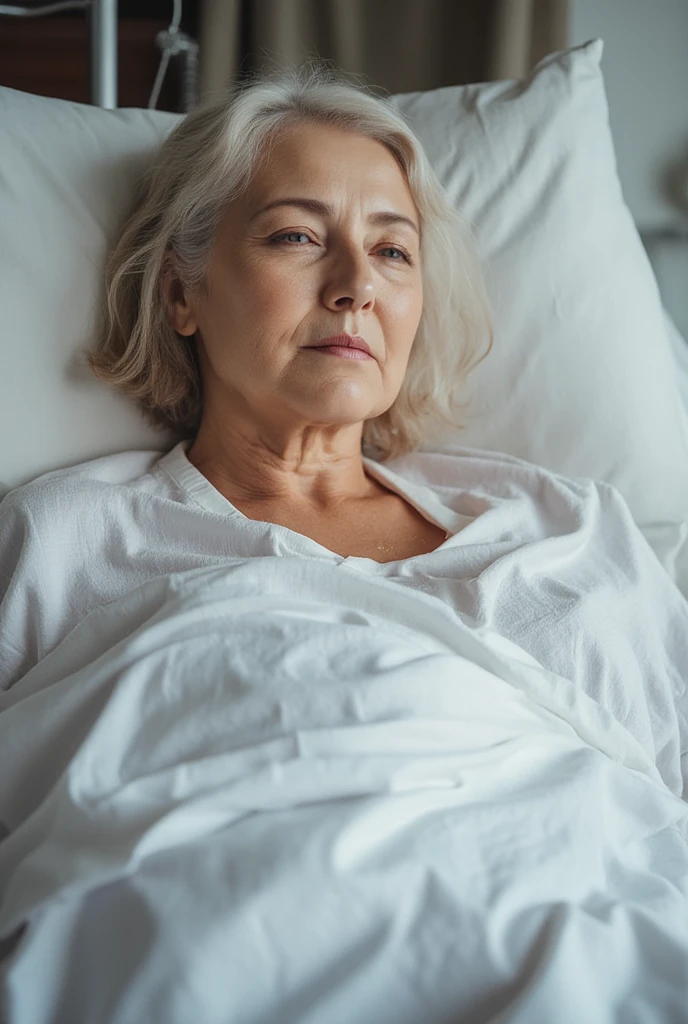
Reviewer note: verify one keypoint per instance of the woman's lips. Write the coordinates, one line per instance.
(343, 340)
(342, 351)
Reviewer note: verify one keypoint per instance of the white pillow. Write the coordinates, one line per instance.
(580, 380)
(679, 347)
(67, 174)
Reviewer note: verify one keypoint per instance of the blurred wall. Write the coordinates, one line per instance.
(645, 64)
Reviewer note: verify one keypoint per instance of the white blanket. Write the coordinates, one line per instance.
(283, 792)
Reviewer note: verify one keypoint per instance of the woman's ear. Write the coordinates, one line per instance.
(178, 305)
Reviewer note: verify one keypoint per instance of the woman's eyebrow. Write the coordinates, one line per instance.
(325, 210)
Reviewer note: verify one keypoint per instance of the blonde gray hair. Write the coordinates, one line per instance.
(203, 165)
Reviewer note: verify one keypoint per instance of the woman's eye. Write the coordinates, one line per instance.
(289, 234)
(393, 248)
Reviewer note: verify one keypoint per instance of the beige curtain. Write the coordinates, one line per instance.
(396, 45)
(522, 33)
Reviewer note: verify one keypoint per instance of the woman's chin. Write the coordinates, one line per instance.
(337, 404)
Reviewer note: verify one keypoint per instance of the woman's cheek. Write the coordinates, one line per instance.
(273, 284)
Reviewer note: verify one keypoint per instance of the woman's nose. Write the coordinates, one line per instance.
(349, 282)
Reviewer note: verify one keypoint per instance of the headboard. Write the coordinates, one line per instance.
(102, 15)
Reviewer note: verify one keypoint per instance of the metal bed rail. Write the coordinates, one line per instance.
(102, 15)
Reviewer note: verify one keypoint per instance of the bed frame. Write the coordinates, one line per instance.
(102, 16)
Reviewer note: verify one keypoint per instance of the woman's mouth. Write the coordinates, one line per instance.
(343, 351)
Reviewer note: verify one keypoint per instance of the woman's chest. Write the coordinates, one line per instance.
(386, 531)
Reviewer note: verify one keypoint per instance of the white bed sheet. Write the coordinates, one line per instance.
(228, 802)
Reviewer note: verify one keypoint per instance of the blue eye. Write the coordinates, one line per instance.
(287, 234)
(393, 248)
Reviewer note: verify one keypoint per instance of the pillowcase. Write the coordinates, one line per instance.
(580, 379)
(67, 176)
(679, 347)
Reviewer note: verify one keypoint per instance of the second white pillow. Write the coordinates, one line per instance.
(581, 378)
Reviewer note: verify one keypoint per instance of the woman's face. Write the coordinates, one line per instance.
(341, 256)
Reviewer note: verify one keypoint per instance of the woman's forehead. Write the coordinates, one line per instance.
(324, 165)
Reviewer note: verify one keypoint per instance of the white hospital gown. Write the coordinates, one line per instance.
(556, 565)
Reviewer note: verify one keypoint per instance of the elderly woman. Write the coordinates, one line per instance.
(296, 298)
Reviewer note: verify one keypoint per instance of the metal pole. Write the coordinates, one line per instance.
(103, 31)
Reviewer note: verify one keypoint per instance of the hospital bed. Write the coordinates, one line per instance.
(585, 378)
